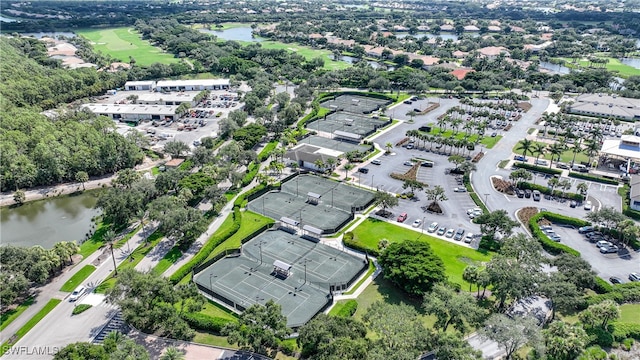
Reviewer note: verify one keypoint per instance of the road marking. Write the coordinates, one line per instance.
(506, 197)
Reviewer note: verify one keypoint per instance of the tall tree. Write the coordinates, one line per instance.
(511, 333)
(330, 337)
(259, 328)
(496, 221)
(564, 341)
(452, 308)
(525, 146)
(176, 148)
(386, 200)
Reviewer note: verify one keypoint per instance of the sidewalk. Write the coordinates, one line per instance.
(104, 267)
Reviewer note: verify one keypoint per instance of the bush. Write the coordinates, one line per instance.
(593, 178)
(490, 244)
(78, 309)
(561, 219)
(541, 169)
(478, 202)
(288, 347)
(208, 247)
(205, 322)
(549, 245)
(599, 336)
(627, 343)
(252, 171)
(601, 286)
(348, 240)
(547, 191)
(623, 293)
(348, 309)
(266, 152)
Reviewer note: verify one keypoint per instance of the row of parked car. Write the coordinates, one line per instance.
(434, 227)
(602, 241)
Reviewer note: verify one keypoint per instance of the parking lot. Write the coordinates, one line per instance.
(201, 121)
(455, 209)
(605, 265)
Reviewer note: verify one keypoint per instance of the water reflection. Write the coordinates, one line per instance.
(242, 33)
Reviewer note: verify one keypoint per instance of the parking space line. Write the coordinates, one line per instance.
(506, 197)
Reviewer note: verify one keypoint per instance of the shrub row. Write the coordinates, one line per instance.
(479, 203)
(348, 309)
(621, 294)
(549, 245)
(375, 95)
(349, 241)
(536, 168)
(266, 152)
(601, 286)
(214, 240)
(252, 171)
(205, 322)
(623, 331)
(562, 219)
(547, 191)
(593, 178)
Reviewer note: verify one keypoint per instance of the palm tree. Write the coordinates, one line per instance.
(388, 146)
(320, 165)
(592, 149)
(525, 146)
(470, 275)
(172, 353)
(553, 182)
(548, 119)
(556, 149)
(565, 185)
(538, 149)
(582, 188)
(347, 167)
(576, 149)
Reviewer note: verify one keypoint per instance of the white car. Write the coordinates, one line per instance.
(75, 295)
(450, 233)
(417, 223)
(476, 209)
(469, 238)
(460, 189)
(376, 162)
(433, 227)
(603, 243)
(587, 205)
(475, 214)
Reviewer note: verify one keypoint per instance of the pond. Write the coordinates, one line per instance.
(242, 33)
(633, 62)
(46, 222)
(6, 19)
(353, 60)
(554, 68)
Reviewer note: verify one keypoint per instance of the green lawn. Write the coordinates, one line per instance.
(215, 310)
(78, 278)
(132, 261)
(30, 324)
(123, 42)
(372, 269)
(454, 257)
(8, 316)
(169, 259)
(488, 141)
(307, 52)
(623, 70)
(213, 340)
(95, 242)
(250, 222)
(566, 156)
(629, 313)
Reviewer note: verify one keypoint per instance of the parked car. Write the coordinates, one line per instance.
(417, 223)
(459, 234)
(545, 227)
(475, 214)
(527, 193)
(426, 164)
(473, 210)
(541, 162)
(634, 277)
(376, 162)
(402, 217)
(573, 204)
(609, 249)
(593, 234)
(408, 163)
(603, 243)
(615, 280)
(459, 189)
(519, 158)
(75, 295)
(587, 205)
(450, 233)
(363, 170)
(469, 238)
(432, 227)
(536, 195)
(586, 229)
(494, 134)
(520, 193)
(441, 231)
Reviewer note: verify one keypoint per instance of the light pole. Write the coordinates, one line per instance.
(304, 262)
(423, 218)
(331, 197)
(259, 245)
(210, 282)
(486, 196)
(372, 186)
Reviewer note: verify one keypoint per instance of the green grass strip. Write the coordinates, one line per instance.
(372, 268)
(169, 259)
(138, 254)
(95, 242)
(78, 278)
(30, 324)
(79, 309)
(8, 316)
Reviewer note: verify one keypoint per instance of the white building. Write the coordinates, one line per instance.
(192, 85)
(305, 155)
(634, 195)
(174, 98)
(602, 105)
(139, 85)
(134, 112)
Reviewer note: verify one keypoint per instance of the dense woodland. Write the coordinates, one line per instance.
(39, 151)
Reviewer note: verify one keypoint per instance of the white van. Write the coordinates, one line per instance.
(579, 168)
(75, 295)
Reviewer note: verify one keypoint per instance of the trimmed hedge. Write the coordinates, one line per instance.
(547, 191)
(601, 286)
(266, 152)
(205, 322)
(372, 94)
(557, 218)
(252, 171)
(79, 309)
(549, 245)
(214, 240)
(621, 294)
(593, 178)
(348, 309)
(479, 203)
(348, 241)
(541, 169)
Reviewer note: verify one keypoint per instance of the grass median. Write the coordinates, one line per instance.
(8, 316)
(29, 325)
(78, 278)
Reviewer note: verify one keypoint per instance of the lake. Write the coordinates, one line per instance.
(634, 62)
(46, 222)
(6, 19)
(353, 60)
(242, 33)
(554, 68)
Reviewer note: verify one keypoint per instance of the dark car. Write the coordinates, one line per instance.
(527, 193)
(519, 158)
(573, 203)
(615, 280)
(586, 229)
(494, 134)
(459, 234)
(364, 170)
(520, 193)
(426, 164)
